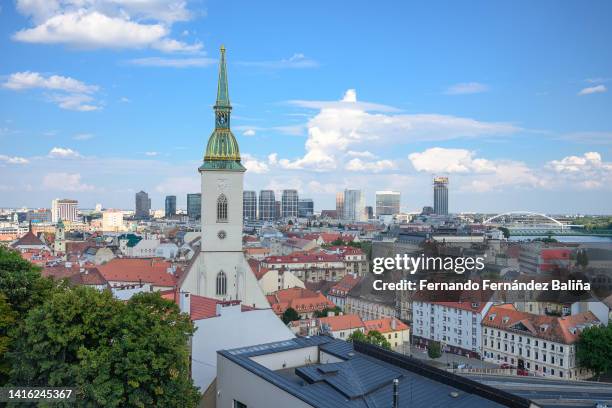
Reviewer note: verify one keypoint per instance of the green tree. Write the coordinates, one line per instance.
(373, 337)
(505, 231)
(290, 315)
(289, 222)
(21, 282)
(7, 319)
(132, 354)
(376, 338)
(325, 312)
(434, 350)
(594, 349)
(582, 258)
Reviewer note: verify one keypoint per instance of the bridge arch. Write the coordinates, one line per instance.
(487, 221)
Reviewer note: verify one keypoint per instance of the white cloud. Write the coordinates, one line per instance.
(173, 62)
(13, 159)
(345, 126)
(593, 90)
(29, 80)
(105, 23)
(481, 174)
(357, 164)
(72, 93)
(151, 154)
(124, 100)
(65, 182)
(467, 88)
(63, 153)
(588, 171)
(440, 160)
(83, 136)
(77, 102)
(297, 60)
(249, 132)
(364, 154)
(253, 165)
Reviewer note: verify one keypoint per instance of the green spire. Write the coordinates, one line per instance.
(222, 92)
(222, 152)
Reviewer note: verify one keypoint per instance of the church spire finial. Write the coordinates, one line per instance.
(222, 89)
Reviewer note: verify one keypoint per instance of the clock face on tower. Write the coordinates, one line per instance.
(222, 119)
(221, 234)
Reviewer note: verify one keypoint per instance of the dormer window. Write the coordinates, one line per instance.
(492, 317)
(506, 319)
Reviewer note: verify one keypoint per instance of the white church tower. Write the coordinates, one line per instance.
(221, 270)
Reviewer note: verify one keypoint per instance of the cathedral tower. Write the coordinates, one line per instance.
(221, 270)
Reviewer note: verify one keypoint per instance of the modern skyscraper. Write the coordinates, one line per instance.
(289, 204)
(277, 210)
(194, 206)
(441, 195)
(387, 202)
(340, 205)
(267, 205)
(249, 205)
(170, 206)
(64, 209)
(143, 205)
(369, 212)
(305, 208)
(220, 269)
(354, 205)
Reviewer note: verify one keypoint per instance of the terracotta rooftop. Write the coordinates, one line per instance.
(342, 322)
(202, 307)
(385, 325)
(303, 257)
(302, 300)
(564, 330)
(343, 287)
(146, 270)
(28, 239)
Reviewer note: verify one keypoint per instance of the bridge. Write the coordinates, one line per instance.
(527, 223)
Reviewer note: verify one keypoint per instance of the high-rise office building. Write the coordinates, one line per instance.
(194, 206)
(387, 202)
(369, 212)
(289, 204)
(64, 209)
(441, 195)
(143, 205)
(249, 205)
(170, 206)
(277, 210)
(267, 205)
(305, 208)
(354, 205)
(340, 205)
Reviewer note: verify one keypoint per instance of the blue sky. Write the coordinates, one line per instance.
(102, 98)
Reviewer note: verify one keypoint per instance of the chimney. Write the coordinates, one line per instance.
(395, 393)
(185, 302)
(393, 324)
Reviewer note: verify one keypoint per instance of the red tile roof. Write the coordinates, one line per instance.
(147, 270)
(564, 330)
(303, 257)
(201, 307)
(343, 287)
(28, 239)
(385, 325)
(342, 322)
(299, 299)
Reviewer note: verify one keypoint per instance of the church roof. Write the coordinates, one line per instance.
(222, 151)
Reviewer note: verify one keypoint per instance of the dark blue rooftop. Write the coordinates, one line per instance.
(365, 380)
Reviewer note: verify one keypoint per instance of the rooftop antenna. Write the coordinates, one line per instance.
(395, 393)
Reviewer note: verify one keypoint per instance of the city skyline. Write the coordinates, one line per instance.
(527, 130)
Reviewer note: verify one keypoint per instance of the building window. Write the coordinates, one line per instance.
(238, 404)
(221, 284)
(222, 208)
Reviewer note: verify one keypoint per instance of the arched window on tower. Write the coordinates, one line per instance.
(221, 284)
(222, 208)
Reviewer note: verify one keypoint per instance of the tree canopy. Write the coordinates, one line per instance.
(7, 319)
(434, 350)
(594, 349)
(290, 315)
(116, 354)
(325, 312)
(373, 337)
